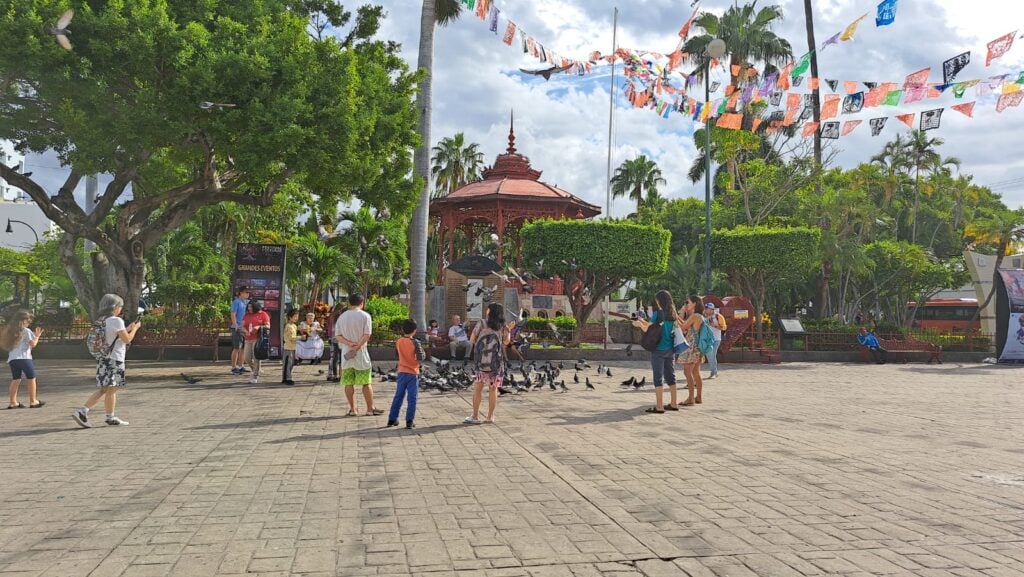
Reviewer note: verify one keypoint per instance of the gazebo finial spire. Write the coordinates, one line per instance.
(512, 134)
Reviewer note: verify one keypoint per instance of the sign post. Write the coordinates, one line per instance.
(261, 268)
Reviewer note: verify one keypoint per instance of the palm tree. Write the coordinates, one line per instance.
(434, 12)
(321, 264)
(921, 153)
(377, 245)
(1001, 228)
(455, 164)
(637, 179)
(748, 37)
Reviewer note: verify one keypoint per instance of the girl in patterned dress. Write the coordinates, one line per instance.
(691, 358)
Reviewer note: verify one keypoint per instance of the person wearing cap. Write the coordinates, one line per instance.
(716, 322)
(237, 332)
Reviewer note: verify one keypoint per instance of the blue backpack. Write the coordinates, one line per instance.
(705, 340)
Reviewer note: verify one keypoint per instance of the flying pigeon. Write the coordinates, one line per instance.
(60, 31)
(219, 105)
(547, 72)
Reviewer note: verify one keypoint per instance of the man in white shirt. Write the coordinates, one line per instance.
(352, 330)
(457, 337)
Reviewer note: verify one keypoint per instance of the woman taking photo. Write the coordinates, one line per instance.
(661, 358)
(109, 365)
(691, 358)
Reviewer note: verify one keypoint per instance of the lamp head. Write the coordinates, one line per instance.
(716, 48)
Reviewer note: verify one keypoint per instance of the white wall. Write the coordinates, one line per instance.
(12, 159)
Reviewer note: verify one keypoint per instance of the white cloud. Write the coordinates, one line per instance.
(563, 124)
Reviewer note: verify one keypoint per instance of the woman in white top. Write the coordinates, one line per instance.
(19, 341)
(109, 369)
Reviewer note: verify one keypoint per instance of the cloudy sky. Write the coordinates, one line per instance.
(562, 125)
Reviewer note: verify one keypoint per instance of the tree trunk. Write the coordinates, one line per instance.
(824, 287)
(421, 169)
(917, 204)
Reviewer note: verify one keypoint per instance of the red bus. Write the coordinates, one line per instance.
(947, 315)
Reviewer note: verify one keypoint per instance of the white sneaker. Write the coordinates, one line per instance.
(114, 421)
(254, 380)
(471, 421)
(82, 418)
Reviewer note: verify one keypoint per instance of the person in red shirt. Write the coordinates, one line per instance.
(255, 319)
(408, 376)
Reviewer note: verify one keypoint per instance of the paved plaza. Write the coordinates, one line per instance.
(784, 471)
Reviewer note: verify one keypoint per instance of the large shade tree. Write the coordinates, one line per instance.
(433, 12)
(189, 105)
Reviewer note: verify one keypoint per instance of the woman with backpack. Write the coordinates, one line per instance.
(691, 358)
(108, 343)
(664, 313)
(490, 339)
(255, 320)
(19, 340)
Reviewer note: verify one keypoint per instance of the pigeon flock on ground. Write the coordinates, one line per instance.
(446, 376)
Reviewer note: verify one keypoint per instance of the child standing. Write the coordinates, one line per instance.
(409, 354)
(288, 342)
(19, 340)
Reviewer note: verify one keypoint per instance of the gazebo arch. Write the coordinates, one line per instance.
(509, 195)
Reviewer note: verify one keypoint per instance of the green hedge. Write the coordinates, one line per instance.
(562, 323)
(617, 249)
(388, 315)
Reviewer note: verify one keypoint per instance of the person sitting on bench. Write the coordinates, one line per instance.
(457, 337)
(869, 340)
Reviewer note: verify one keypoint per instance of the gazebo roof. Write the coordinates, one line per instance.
(513, 179)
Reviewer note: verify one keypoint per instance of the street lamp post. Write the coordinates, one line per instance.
(11, 230)
(715, 50)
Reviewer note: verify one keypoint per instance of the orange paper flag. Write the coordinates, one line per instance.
(850, 86)
(965, 109)
(729, 89)
(810, 128)
(831, 106)
(907, 119)
(793, 100)
(790, 117)
(735, 69)
(730, 121)
(813, 83)
(850, 125)
(756, 124)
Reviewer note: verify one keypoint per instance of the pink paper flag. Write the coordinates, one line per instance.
(999, 46)
(1009, 101)
(510, 33)
(811, 127)
(850, 125)
(918, 78)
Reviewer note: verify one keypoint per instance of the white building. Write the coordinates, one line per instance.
(21, 221)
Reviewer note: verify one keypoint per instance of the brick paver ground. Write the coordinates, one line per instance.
(791, 470)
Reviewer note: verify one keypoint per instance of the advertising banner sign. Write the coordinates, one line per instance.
(261, 268)
(1010, 310)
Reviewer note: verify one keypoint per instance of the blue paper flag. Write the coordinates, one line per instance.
(886, 13)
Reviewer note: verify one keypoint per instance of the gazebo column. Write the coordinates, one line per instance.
(442, 232)
(519, 250)
(501, 235)
(468, 230)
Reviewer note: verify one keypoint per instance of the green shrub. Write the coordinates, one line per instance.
(562, 323)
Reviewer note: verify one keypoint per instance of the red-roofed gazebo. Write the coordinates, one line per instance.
(510, 194)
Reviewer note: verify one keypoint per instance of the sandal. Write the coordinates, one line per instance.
(654, 410)
(351, 414)
(687, 404)
(37, 405)
(671, 408)
(18, 406)
(374, 413)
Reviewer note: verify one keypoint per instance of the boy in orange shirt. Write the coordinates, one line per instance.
(410, 353)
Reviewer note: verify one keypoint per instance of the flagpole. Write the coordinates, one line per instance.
(608, 179)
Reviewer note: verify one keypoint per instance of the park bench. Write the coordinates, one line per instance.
(903, 347)
(190, 336)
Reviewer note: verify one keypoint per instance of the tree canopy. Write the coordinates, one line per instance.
(190, 105)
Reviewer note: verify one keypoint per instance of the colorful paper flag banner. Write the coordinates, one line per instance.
(849, 126)
(833, 40)
(886, 13)
(832, 84)
(931, 119)
(802, 66)
(954, 65)
(850, 86)
(919, 78)
(999, 46)
(907, 119)
(812, 127)
(806, 114)
(1009, 101)
(830, 130)
(853, 103)
(685, 31)
(776, 98)
(493, 16)
(965, 109)
(847, 34)
(877, 124)
(510, 33)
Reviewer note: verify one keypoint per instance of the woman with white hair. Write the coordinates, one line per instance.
(110, 364)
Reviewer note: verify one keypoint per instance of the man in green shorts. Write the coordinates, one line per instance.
(352, 330)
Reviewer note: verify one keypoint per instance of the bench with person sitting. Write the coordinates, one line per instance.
(880, 350)
(450, 347)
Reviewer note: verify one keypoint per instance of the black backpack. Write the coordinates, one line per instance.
(490, 354)
(261, 350)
